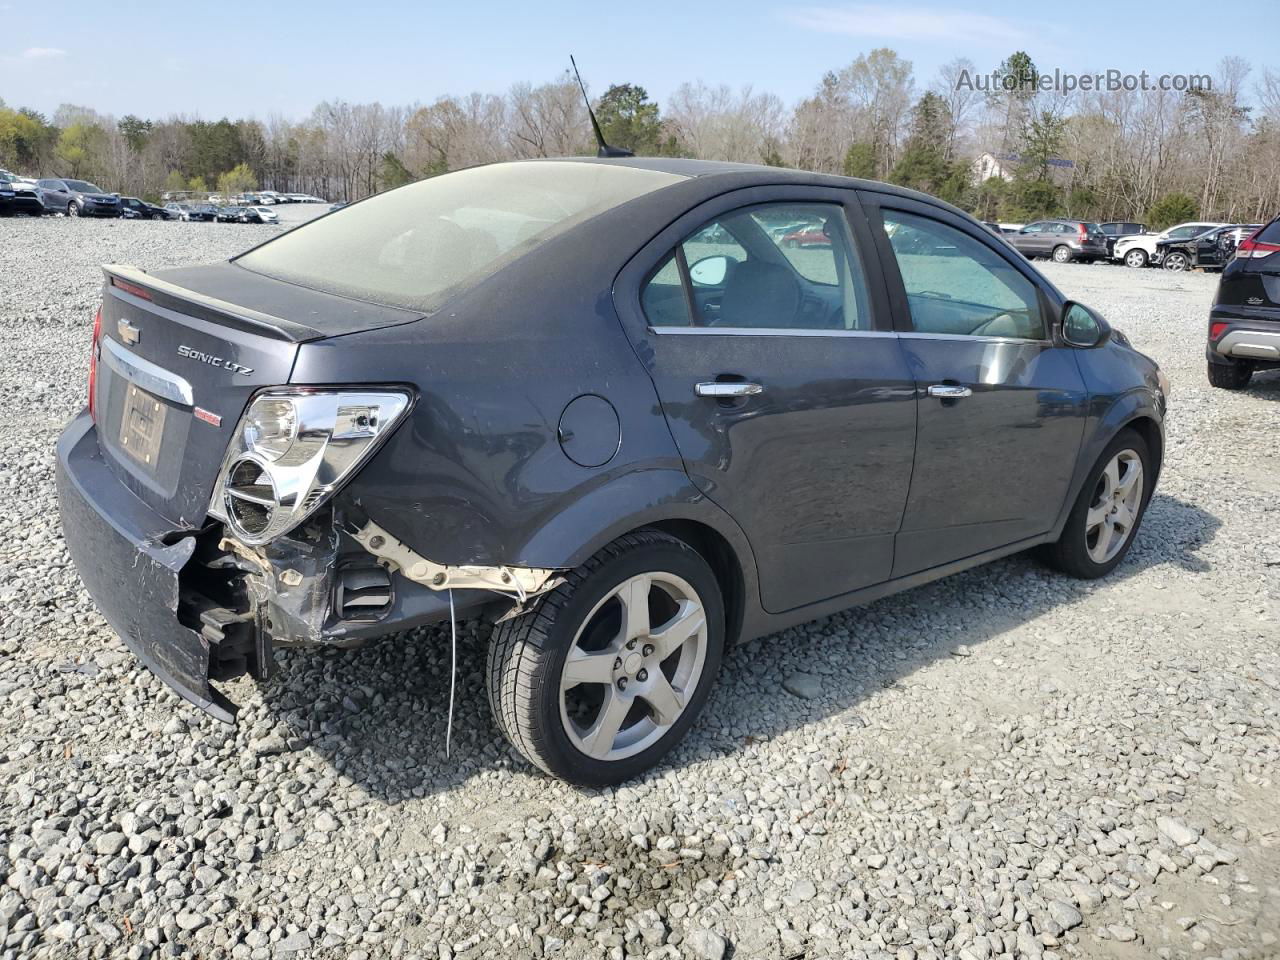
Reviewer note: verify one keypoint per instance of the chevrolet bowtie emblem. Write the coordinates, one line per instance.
(128, 332)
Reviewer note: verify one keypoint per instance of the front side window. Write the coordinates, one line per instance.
(781, 266)
(959, 286)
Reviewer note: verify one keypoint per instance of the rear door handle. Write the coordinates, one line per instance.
(727, 389)
(949, 391)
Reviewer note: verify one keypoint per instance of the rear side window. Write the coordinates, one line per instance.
(957, 285)
(1270, 233)
(415, 246)
(769, 267)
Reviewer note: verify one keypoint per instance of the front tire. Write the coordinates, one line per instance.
(610, 669)
(1232, 375)
(1108, 511)
(72, 209)
(1177, 262)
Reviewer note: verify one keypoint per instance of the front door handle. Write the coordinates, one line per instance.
(727, 389)
(949, 391)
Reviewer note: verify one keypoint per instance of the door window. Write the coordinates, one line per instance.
(957, 285)
(783, 266)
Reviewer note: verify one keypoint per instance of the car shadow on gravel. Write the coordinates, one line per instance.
(1265, 385)
(378, 714)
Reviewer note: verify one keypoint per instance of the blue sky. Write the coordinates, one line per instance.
(252, 59)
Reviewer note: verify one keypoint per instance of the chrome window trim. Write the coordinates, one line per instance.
(767, 332)
(147, 375)
(922, 335)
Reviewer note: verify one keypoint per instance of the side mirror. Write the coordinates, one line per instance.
(709, 271)
(1082, 327)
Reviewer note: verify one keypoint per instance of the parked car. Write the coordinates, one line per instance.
(311, 444)
(337, 206)
(1209, 250)
(1244, 322)
(202, 211)
(229, 215)
(1113, 230)
(18, 195)
(267, 198)
(78, 198)
(132, 208)
(1141, 250)
(265, 214)
(810, 235)
(1062, 240)
(177, 211)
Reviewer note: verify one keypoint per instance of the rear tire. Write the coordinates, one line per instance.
(1232, 375)
(1108, 507)
(1136, 259)
(596, 684)
(1062, 253)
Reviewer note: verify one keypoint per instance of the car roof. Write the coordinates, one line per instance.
(749, 174)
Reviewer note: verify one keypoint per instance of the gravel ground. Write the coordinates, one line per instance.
(1003, 764)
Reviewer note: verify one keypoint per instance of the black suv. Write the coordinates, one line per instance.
(1244, 322)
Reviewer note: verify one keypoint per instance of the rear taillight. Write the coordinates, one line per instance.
(1082, 232)
(1256, 248)
(1217, 329)
(93, 364)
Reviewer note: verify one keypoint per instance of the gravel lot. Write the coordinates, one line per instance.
(1003, 764)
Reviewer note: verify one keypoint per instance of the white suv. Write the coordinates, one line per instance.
(1140, 250)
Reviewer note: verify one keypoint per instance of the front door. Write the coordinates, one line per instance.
(786, 390)
(1001, 400)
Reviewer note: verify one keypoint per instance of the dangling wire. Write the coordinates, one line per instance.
(453, 673)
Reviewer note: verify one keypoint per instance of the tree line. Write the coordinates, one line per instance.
(1157, 156)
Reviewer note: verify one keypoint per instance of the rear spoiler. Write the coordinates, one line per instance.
(253, 320)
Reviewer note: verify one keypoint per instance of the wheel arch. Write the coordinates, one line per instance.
(724, 563)
(1135, 409)
(664, 500)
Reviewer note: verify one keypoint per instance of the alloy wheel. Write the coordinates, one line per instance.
(1175, 262)
(633, 666)
(1116, 506)
(1061, 254)
(1135, 258)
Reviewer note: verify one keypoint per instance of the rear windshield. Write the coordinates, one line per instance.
(1270, 233)
(414, 246)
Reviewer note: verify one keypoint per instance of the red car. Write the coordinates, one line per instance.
(813, 235)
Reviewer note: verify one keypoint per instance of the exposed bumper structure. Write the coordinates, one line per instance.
(519, 583)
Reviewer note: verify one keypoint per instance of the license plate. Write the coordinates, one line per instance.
(142, 426)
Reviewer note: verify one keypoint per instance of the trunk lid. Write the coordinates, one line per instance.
(178, 364)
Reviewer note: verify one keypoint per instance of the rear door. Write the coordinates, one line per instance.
(1001, 403)
(785, 388)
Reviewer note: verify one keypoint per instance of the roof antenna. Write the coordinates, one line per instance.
(605, 150)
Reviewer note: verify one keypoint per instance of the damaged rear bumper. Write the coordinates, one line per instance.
(195, 607)
(120, 550)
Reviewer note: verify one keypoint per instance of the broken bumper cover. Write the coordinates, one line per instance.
(116, 543)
